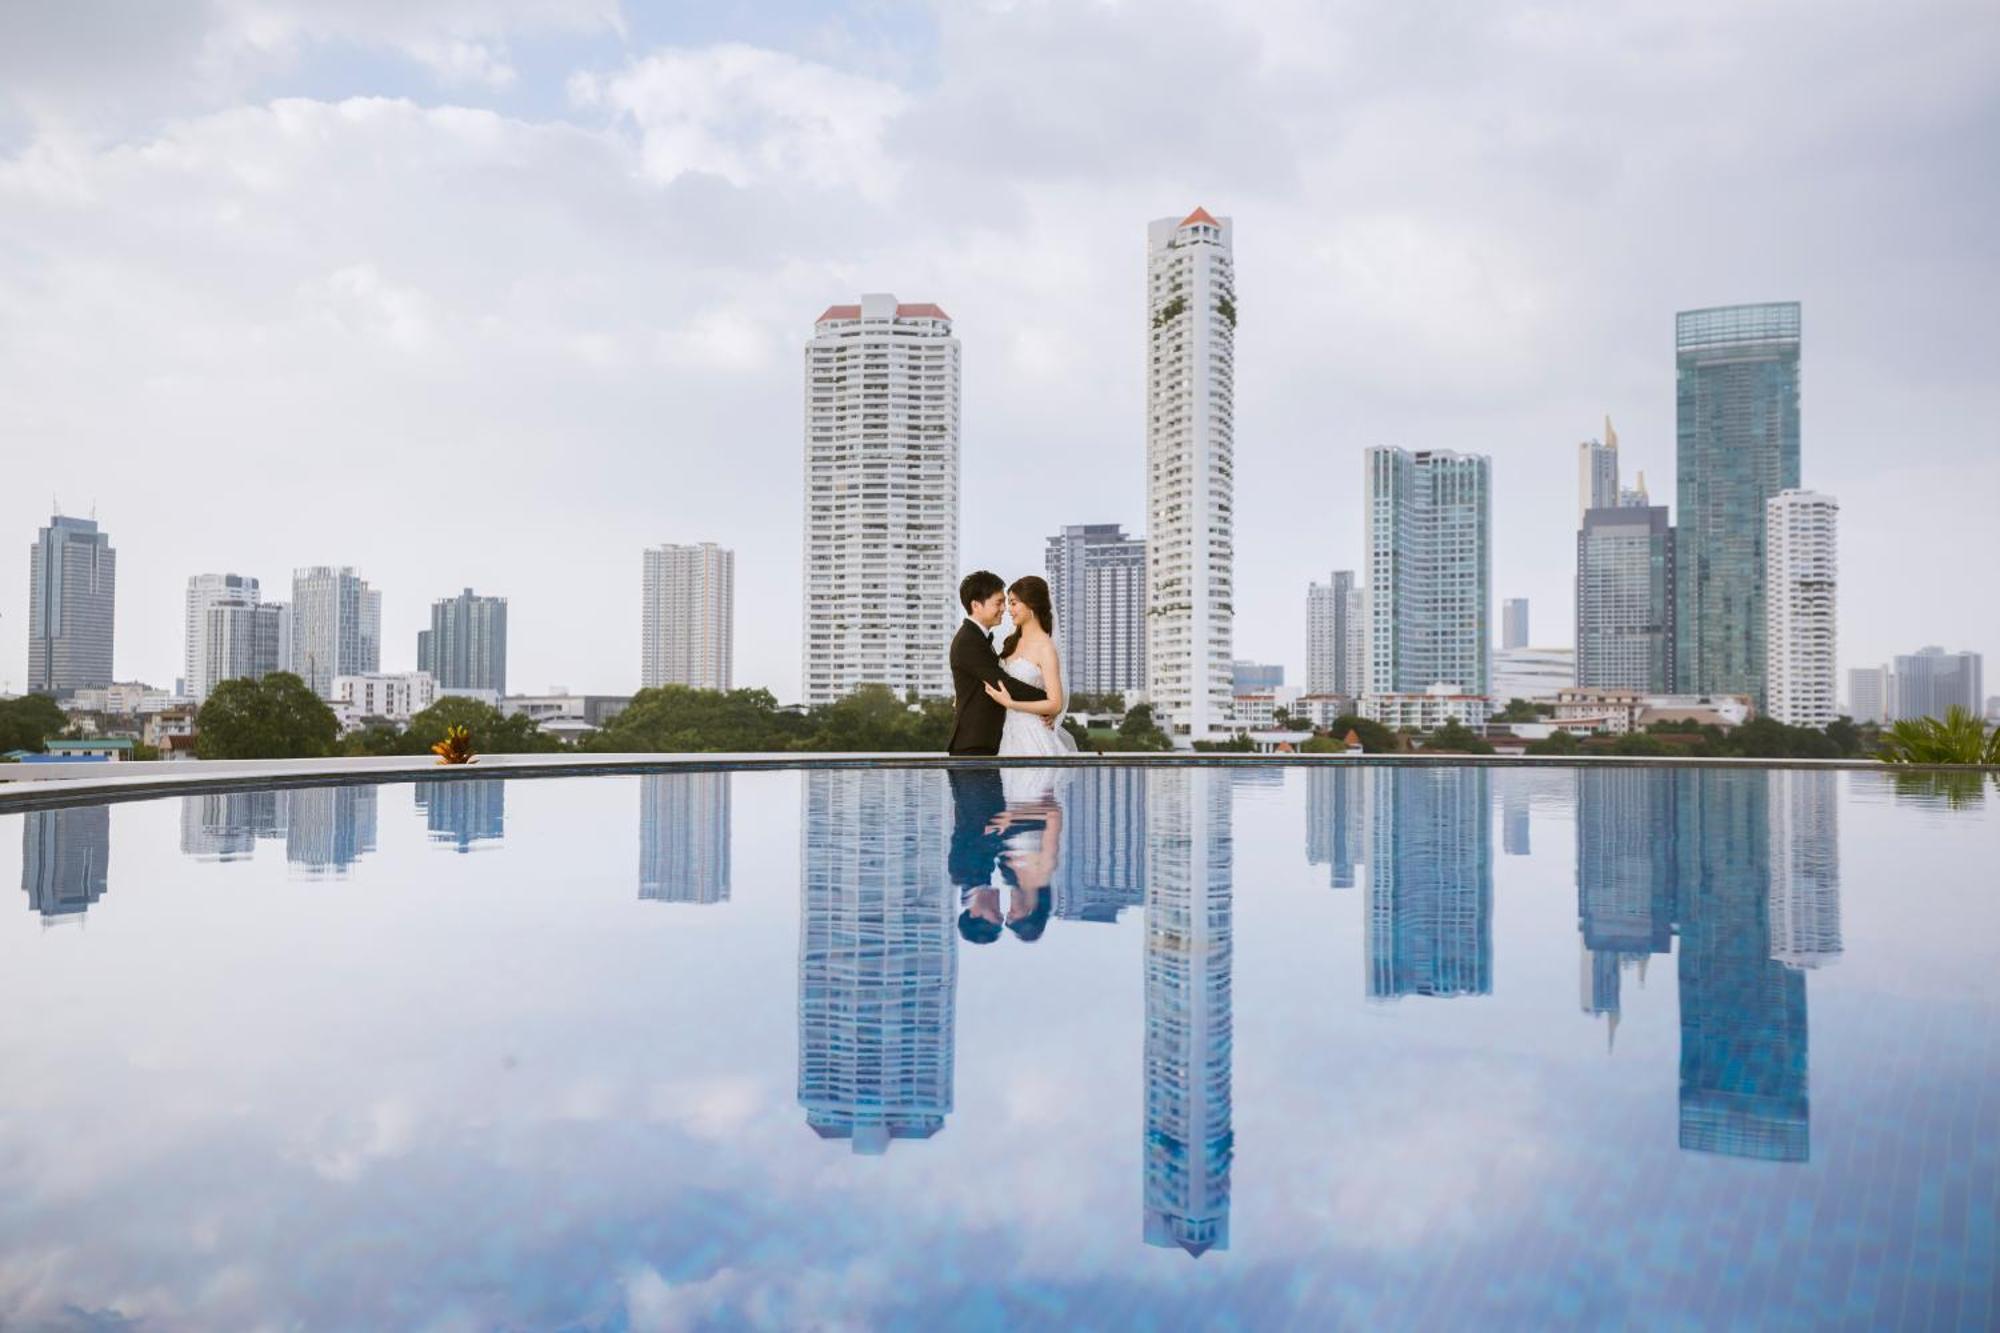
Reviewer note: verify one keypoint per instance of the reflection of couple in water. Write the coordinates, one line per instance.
(1015, 824)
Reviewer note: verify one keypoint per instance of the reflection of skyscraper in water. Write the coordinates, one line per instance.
(462, 811)
(1102, 868)
(1624, 877)
(1336, 820)
(1430, 883)
(225, 825)
(1805, 868)
(878, 970)
(65, 856)
(328, 829)
(1514, 822)
(1189, 1140)
(1743, 1016)
(684, 837)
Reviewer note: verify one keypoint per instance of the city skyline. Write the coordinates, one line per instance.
(1375, 309)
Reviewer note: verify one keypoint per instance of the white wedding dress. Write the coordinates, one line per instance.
(1031, 733)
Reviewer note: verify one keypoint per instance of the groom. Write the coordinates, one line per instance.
(976, 720)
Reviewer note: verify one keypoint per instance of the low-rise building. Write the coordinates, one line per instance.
(394, 697)
(1319, 711)
(158, 728)
(1532, 673)
(1617, 712)
(109, 750)
(1435, 706)
(563, 714)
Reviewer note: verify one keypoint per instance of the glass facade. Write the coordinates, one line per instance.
(1625, 575)
(1430, 561)
(1736, 445)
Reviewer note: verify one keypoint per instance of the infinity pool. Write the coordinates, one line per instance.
(1401, 1047)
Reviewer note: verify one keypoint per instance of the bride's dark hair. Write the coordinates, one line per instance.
(1033, 590)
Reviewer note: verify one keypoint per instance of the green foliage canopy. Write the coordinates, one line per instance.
(277, 717)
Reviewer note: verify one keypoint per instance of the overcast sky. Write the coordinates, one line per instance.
(499, 292)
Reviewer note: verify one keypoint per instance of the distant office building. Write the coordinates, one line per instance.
(878, 958)
(1736, 445)
(1097, 580)
(1337, 821)
(463, 812)
(687, 628)
(1430, 549)
(1624, 879)
(1800, 614)
(72, 598)
(65, 855)
(1931, 681)
(1625, 595)
(225, 826)
(684, 837)
(466, 646)
(1871, 694)
(336, 626)
(1514, 623)
(1597, 473)
(881, 489)
(1255, 677)
(1103, 854)
(1190, 471)
(395, 697)
(1336, 636)
(1190, 1144)
(1430, 883)
(1532, 673)
(204, 592)
(241, 639)
(328, 829)
(1804, 905)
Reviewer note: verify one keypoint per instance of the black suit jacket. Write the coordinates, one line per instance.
(976, 720)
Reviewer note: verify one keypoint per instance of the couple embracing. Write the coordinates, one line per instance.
(1008, 702)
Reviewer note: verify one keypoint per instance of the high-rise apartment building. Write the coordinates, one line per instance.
(1097, 580)
(1871, 694)
(1597, 473)
(1430, 557)
(203, 592)
(881, 485)
(687, 620)
(336, 626)
(1514, 623)
(1800, 620)
(1336, 636)
(1625, 573)
(1190, 472)
(1736, 445)
(466, 646)
(72, 597)
(1931, 681)
(241, 638)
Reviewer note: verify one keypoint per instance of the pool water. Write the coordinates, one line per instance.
(1384, 1047)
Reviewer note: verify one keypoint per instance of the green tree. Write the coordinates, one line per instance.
(1454, 737)
(1556, 743)
(376, 737)
(1640, 743)
(27, 723)
(1519, 710)
(1846, 737)
(1956, 738)
(1138, 731)
(873, 718)
(674, 719)
(1375, 738)
(1323, 744)
(492, 732)
(1240, 743)
(277, 717)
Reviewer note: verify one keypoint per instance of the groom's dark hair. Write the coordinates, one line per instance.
(977, 586)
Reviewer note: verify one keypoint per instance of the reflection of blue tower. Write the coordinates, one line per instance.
(1336, 817)
(684, 837)
(464, 811)
(1102, 868)
(1624, 876)
(1514, 821)
(1743, 1016)
(328, 829)
(225, 825)
(878, 970)
(65, 858)
(1189, 1140)
(1430, 883)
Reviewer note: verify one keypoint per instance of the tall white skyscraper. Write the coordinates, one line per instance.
(205, 591)
(1097, 580)
(1190, 472)
(1336, 636)
(1800, 574)
(1430, 561)
(336, 626)
(1597, 473)
(881, 520)
(1804, 905)
(687, 626)
(72, 601)
(242, 638)
(1871, 694)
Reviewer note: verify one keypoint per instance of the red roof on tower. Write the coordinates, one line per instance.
(904, 310)
(1199, 215)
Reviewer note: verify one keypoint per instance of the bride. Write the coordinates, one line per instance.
(1033, 727)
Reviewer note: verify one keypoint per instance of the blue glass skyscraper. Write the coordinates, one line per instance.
(1736, 445)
